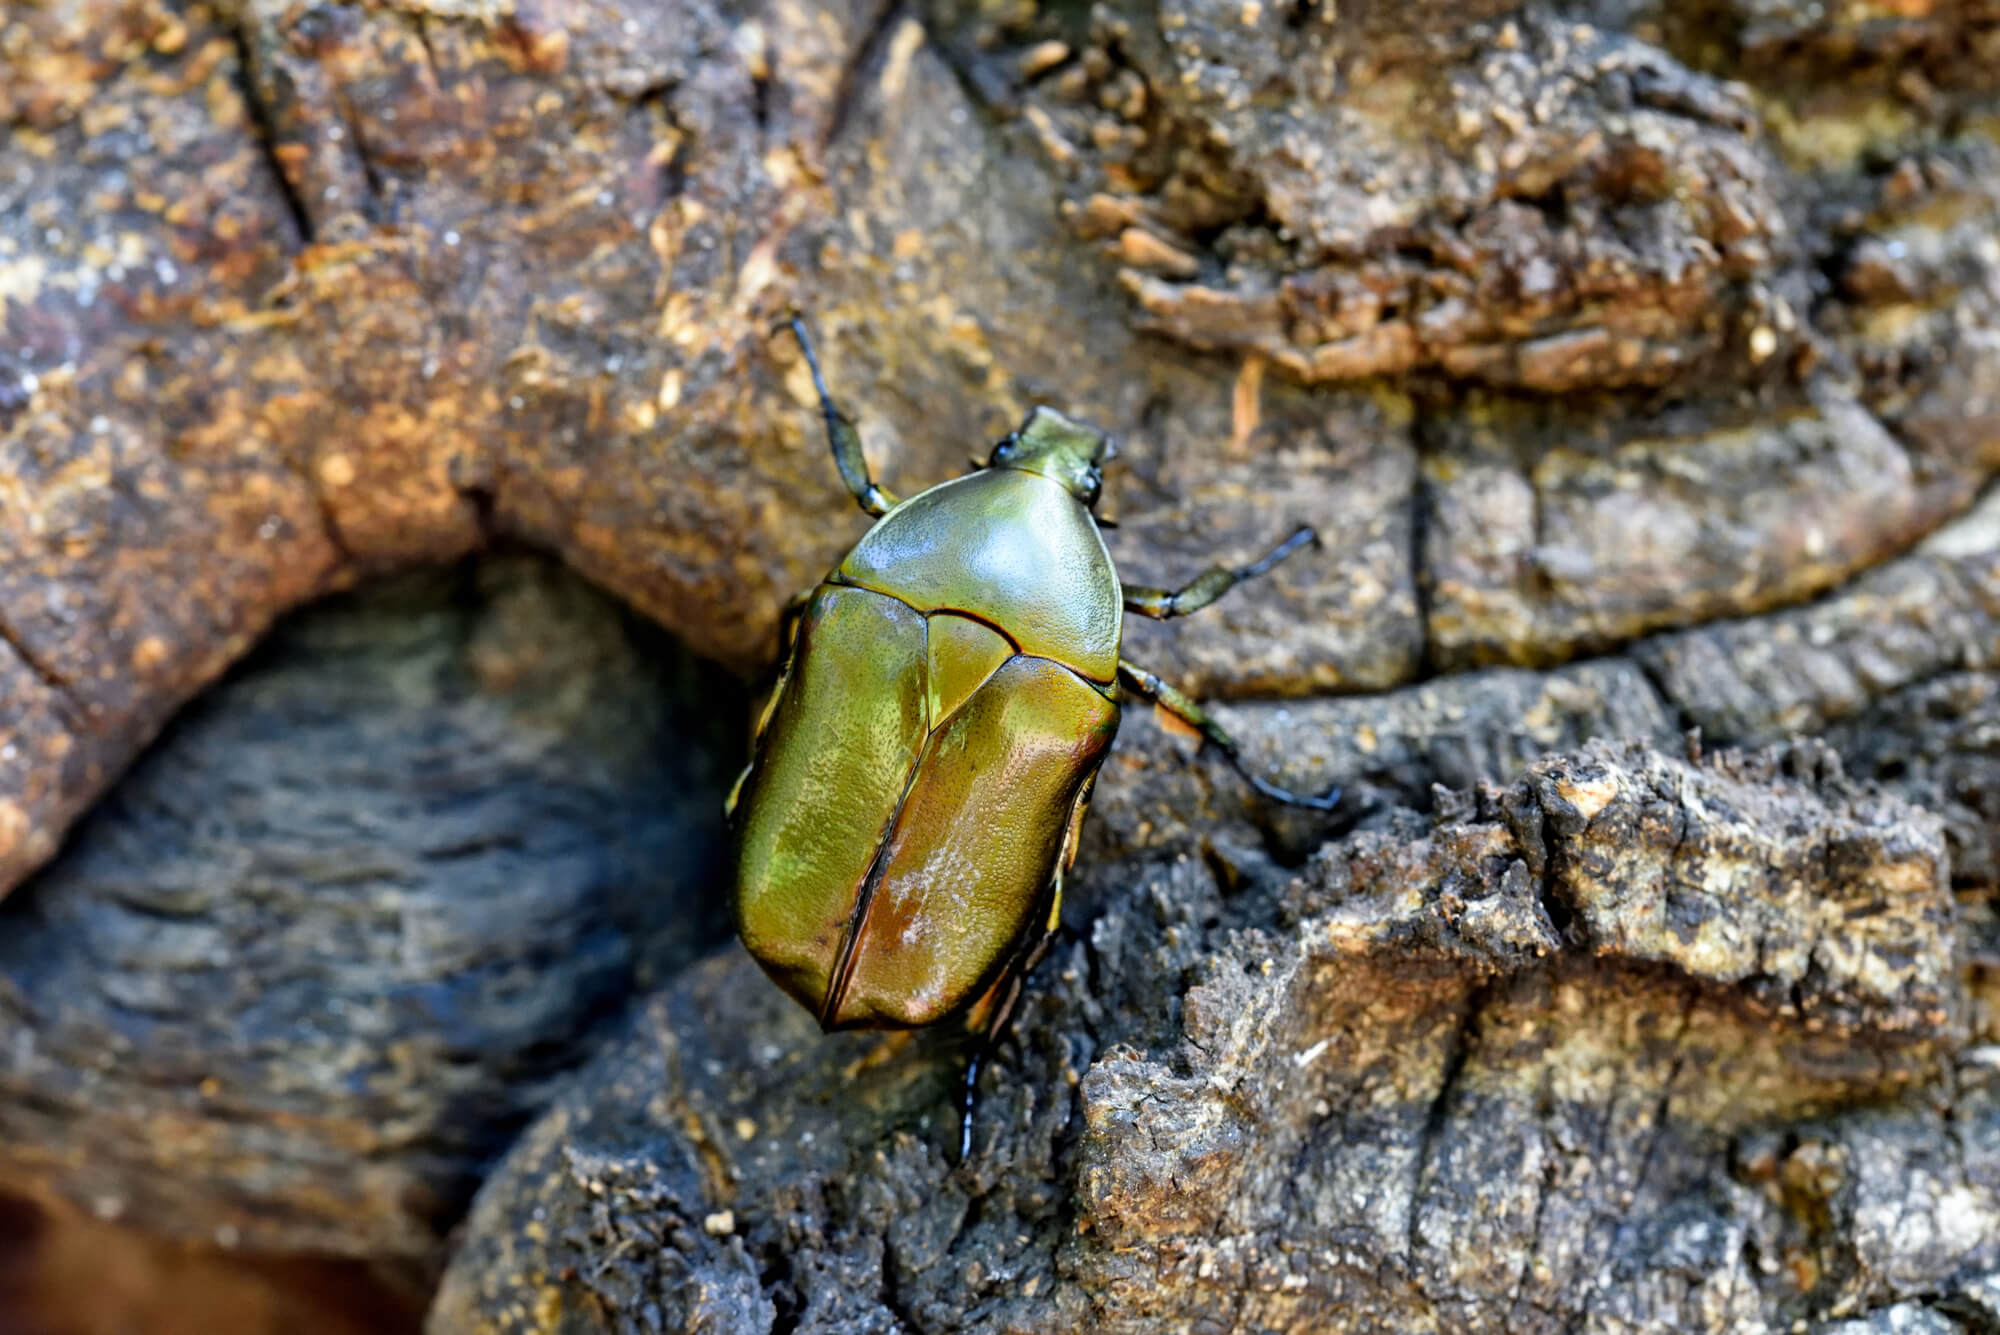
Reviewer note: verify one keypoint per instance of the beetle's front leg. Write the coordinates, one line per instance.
(1209, 585)
(843, 438)
(1177, 703)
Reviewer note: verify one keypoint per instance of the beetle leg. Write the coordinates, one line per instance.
(1008, 991)
(845, 440)
(788, 624)
(1072, 834)
(1002, 998)
(1167, 697)
(1209, 585)
(788, 634)
(735, 793)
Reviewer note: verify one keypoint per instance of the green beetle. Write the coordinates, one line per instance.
(920, 773)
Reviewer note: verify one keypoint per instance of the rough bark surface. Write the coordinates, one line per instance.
(296, 294)
(1631, 1043)
(323, 952)
(1638, 364)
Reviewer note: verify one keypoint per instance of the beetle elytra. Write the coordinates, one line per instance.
(949, 691)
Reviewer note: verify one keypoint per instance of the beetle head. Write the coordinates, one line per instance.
(1058, 447)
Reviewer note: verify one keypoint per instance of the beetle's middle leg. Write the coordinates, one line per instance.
(1209, 585)
(788, 634)
(788, 625)
(843, 438)
(1177, 703)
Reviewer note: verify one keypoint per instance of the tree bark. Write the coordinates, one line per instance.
(1637, 366)
(314, 963)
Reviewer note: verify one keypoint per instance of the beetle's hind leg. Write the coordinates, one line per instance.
(1000, 1001)
(1177, 703)
(842, 437)
(1003, 998)
(1210, 584)
(1008, 990)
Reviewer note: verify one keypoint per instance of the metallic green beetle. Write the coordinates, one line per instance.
(920, 773)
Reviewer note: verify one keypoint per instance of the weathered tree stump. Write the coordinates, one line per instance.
(1639, 366)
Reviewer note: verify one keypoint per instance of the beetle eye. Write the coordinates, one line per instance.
(1003, 451)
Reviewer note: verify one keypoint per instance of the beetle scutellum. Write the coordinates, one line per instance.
(949, 691)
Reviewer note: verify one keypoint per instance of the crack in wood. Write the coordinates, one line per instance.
(263, 128)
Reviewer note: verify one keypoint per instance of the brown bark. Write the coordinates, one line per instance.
(1636, 364)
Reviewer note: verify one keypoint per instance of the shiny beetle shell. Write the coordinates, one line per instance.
(918, 781)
